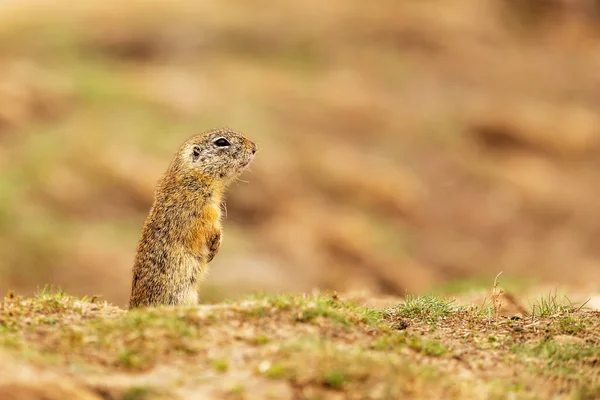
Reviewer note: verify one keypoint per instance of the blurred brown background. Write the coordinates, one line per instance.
(405, 145)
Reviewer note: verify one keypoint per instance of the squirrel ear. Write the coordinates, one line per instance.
(195, 153)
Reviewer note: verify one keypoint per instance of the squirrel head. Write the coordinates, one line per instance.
(217, 155)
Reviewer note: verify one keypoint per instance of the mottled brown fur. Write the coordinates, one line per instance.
(182, 232)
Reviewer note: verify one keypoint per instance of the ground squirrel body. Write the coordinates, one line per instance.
(182, 232)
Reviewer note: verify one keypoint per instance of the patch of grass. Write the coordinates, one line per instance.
(135, 341)
(261, 339)
(322, 309)
(326, 364)
(272, 370)
(48, 308)
(489, 342)
(569, 325)
(237, 389)
(137, 393)
(428, 308)
(50, 299)
(588, 391)
(390, 342)
(220, 365)
(11, 342)
(334, 379)
(341, 312)
(129, 359)
(312, 307)
(561, 359)
(256, 312)
(279, 302)
(426, 346)
(51, 320)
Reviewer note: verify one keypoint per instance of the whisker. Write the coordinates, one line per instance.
(224, 208)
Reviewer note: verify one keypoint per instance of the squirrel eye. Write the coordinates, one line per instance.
(222, 142)
(196, 152)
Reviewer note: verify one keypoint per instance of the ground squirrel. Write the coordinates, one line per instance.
(182, 232)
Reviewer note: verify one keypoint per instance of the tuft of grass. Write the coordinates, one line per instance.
(334, 379)
(427, 308)
(486, 309)
(48, 291)
(551, 304)
(129, 359)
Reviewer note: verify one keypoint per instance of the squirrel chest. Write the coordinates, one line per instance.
(205, 238)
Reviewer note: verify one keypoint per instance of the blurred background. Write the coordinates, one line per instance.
(405, 146)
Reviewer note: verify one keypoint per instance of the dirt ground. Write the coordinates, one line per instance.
(305, 346)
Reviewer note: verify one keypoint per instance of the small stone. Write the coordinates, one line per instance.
(400, 326)
(264, 366)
